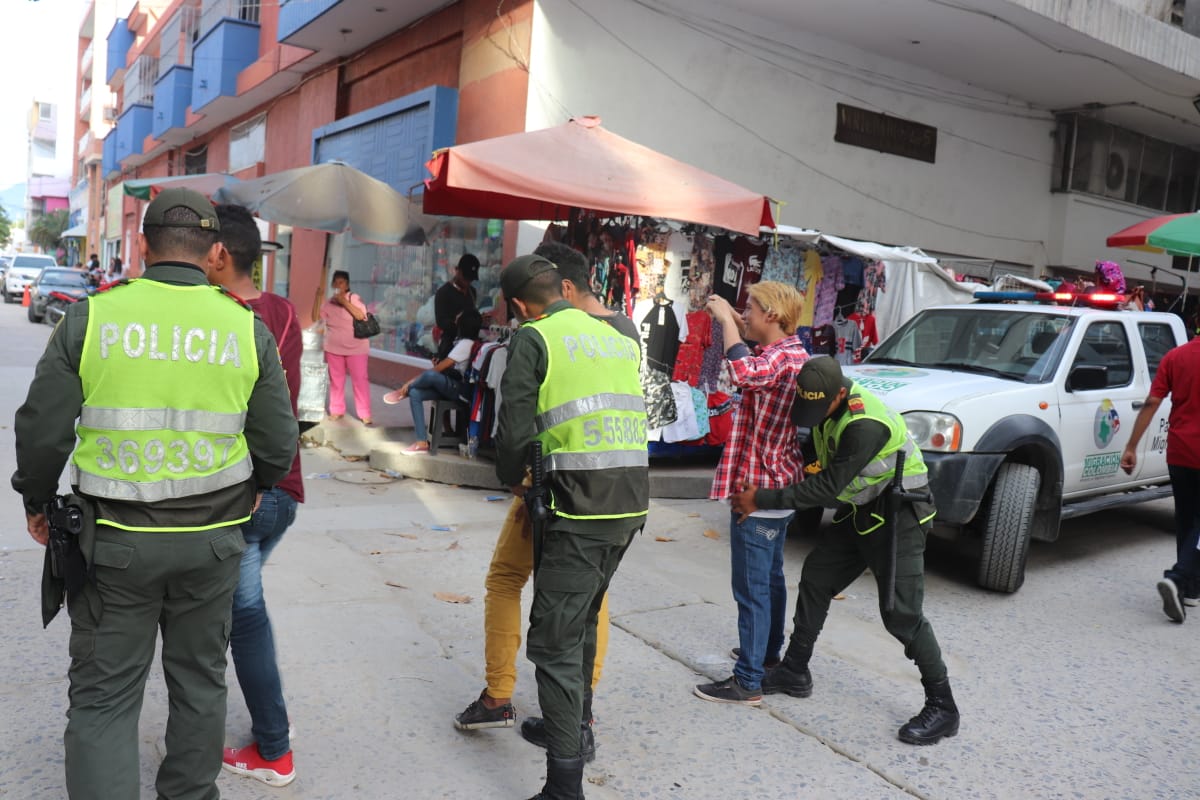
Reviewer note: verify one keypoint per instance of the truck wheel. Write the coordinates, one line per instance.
(1007, 525)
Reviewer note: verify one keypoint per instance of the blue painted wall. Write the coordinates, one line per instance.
(120, 39)
(295, 14)
(393, 141)
(132, 128)
(218, 59)
(172, 96)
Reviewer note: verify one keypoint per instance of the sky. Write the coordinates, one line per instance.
(38, 44)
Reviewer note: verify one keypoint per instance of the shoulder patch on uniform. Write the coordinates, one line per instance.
(856, 405)
(104, 287)
(235, 298)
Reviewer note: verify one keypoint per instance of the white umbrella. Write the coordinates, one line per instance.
(333, 197)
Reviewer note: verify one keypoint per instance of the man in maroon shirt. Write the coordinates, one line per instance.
(269, 757)
(1178, 376)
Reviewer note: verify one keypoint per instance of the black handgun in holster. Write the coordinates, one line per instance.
(66, 563)
(896, 498)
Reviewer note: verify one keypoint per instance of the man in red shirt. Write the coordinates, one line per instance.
(761, 447)
(269, 757)
(1178, 376)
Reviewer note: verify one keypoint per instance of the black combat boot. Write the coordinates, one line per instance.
(564, 779)
(788, 678)
(937, 720)
(534, 731)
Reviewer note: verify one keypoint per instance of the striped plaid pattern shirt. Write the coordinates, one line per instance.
(762, 446)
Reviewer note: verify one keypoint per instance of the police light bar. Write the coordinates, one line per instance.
(1099, 299)
(1072, 298)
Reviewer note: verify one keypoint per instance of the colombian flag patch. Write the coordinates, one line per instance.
(855, 404)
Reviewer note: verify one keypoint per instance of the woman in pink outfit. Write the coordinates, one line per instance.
(344, 353)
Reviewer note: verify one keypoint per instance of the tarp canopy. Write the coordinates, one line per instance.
(76, 232)
(869, 250)
(205, 183)
(544, 174)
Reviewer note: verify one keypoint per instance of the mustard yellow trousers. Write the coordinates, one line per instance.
(512, 564)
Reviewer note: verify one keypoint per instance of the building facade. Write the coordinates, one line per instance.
(1012, 134)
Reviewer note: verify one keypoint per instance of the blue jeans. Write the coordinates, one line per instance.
(759, 588)
(1185, 484)
(429, 385)
(251, 640)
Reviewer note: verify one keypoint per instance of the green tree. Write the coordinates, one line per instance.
(5, 229)
(47, 230)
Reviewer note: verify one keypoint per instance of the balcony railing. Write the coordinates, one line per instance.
(85, 101)
(85, 60)
(179, 35)
(85, 142)
(139, 81)
(213, 11)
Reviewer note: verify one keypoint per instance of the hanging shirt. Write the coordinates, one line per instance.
(660, 329)
(749, 256)
(827, 290)
(866, 327)
(725, 271)
(848, 341)
(813, 271)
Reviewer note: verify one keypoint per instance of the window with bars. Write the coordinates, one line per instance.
(247, 143)
(179, 36)
(213, 11)
(139, 82)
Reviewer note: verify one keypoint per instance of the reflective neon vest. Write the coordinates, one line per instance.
(591, 418)
(874, 478)
(167, 372)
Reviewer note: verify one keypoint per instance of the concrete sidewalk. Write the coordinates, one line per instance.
(382, 446)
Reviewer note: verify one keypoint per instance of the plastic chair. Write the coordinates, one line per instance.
(437, 438)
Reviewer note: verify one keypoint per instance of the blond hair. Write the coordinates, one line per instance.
(782, 300)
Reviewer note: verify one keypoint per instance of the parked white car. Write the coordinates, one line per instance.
(24, 268)
(1021, 412)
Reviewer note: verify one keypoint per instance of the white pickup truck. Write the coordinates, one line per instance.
(1022, 411)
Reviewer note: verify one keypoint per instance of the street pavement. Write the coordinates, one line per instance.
(1077, 686)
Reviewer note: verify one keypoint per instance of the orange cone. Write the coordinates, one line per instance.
(25, 297)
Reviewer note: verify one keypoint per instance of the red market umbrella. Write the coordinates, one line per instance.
(544, 174)
(1178, 234)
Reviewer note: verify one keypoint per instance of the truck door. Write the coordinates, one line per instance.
(1095, 423)
(1156, 339)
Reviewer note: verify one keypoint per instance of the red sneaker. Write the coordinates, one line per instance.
(247, 761)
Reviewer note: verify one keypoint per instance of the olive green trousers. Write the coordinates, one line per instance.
(571, 573)
(182, 585)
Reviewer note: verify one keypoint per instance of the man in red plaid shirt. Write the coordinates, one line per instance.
(761, 447)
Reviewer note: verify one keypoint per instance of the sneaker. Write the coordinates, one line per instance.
(477, 715)
(394, 397)
(247, 761)
(1191, 601)
(534, 731)
(728, 691)
(416, 448)
(771, 662)
(1172, 606)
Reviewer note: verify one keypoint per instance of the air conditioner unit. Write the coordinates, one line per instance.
(110, 113)
(1108, 171)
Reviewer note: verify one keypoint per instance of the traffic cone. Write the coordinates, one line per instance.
(25, 297)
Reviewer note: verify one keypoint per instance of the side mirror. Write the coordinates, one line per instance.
(1085, 377)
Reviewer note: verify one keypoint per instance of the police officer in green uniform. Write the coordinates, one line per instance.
(169, 399)
(856, 438)
(572, 384)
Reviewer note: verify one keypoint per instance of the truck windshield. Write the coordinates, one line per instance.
(1015, 344)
